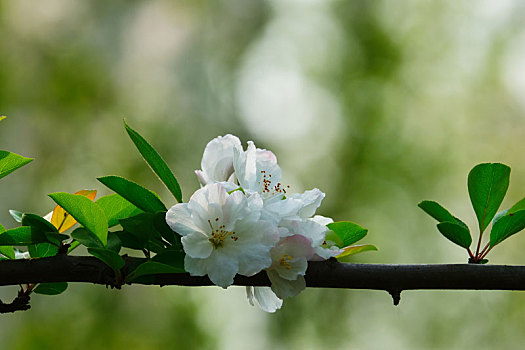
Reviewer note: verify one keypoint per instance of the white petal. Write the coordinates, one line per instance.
(245, 165)
(277, 209)
(284, 288)
(179, 220)
(322, 220)
(202, 177)
(235, 207)
(249, 295)
(322, 253)
(311, 201)
(221, 269)
(267, 161)
(197, 245)
(254, 244)
(217, 160)
(267, 299)
(49, 216)
(195, 267)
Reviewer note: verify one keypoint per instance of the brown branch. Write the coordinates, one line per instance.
(327, 274)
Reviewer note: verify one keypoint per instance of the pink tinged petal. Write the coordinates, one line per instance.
(311, 201)
(179, 220)
(290, 256)
(267, 161)
(312, 230)
(297, 267)
(202, 177)
(197, 245)
(284, 288)
(221, 269)
(267, 299)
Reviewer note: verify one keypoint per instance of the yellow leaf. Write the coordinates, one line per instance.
(2, 117)
(61, 219)
(354, 249)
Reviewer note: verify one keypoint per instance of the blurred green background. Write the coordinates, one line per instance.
(380, 104)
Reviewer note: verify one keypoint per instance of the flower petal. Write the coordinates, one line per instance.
(217, 160)
(179, 220)
(284, 288)
(267, 299)
(197, 245)
(221, 269)
(311, 201)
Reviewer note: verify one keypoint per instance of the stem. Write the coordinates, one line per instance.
(483, 251)
(63, 221)
(470, 253)
(485, 254)
(479, 242)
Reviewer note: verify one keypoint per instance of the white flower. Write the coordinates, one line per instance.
(289, 263)
(222, 234)
(315, 229)
(217, 160)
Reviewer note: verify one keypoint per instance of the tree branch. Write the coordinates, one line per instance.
(327, 274)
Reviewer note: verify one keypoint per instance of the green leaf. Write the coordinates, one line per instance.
(55, 238)
(86, 212)
(23, 235)
(114, 242)
(355, 249)
(86, 238)
(42, 250)
(349, 232)
(456, 233)
(435, 210)
(115, 207)
(51, 288)
(506, 226)
(517, 207)
(7, 251)
(155, 161)
(167, 261)
(109, 257)
(38, 222)
(129, 240)
(9, 162)
(17, 215)
(140, 226)
(487, 185)
(151, 268)
(134, 193)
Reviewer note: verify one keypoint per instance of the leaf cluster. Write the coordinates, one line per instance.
(487, 186)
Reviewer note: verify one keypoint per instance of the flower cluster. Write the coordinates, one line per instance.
(244, 220)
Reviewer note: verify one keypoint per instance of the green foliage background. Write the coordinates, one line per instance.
(380, 104)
